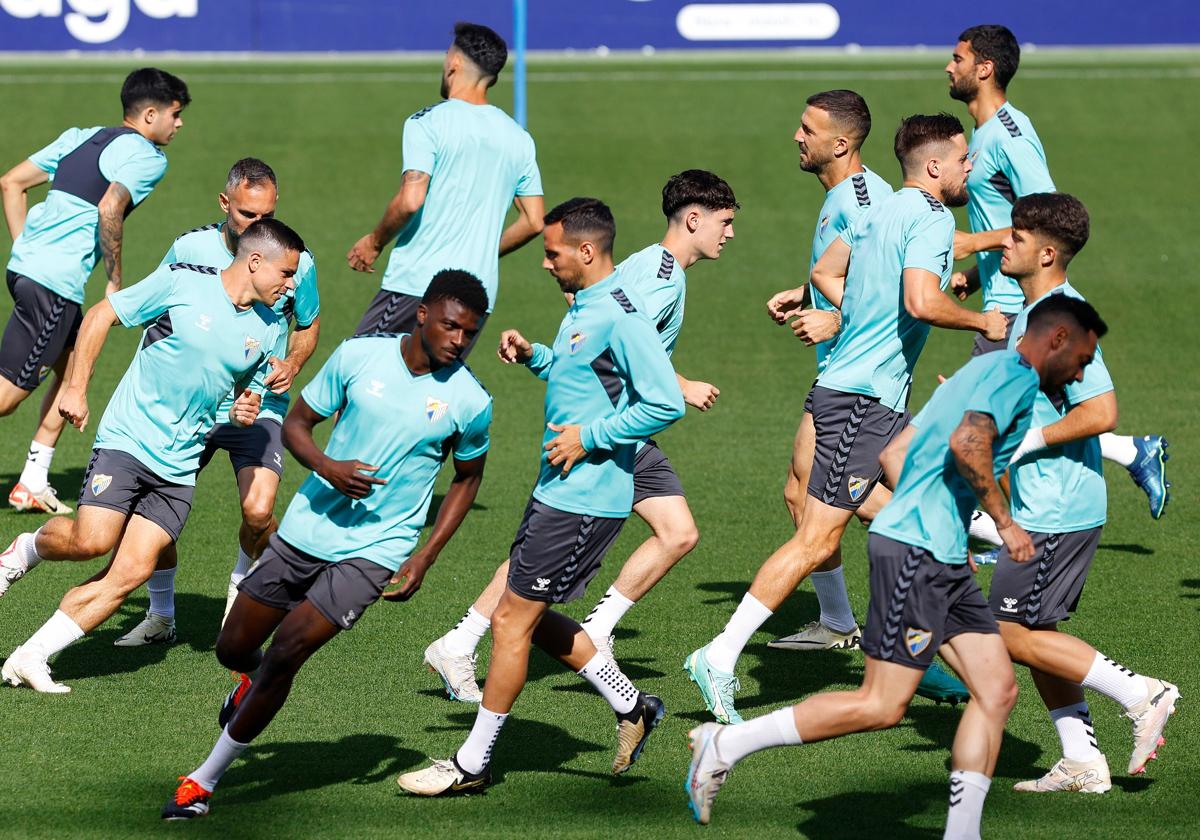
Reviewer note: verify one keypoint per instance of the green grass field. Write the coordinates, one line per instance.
(102, 760)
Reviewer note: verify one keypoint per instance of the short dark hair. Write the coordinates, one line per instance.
(272, 233)
(697, 186)
(1057, 308)
(483, 46)
(847, 109)
(251, 170)
(995, 43)
(585, 218)
(151, 86)
(1059, 216)
(920, 130)
(459, 285)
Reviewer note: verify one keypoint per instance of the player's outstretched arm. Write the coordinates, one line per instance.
(347, 477)
(1091, 417)
(963, 284)
(971, 446)
(14, 186)
(414, 186)
(531, 209)
(697, 394)
(829, 274)
(72, 401)
(112, 207)
(925, 301)
(966, 244)
(468, 475)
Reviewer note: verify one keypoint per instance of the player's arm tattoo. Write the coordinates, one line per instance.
(971, 445)
(112, 230)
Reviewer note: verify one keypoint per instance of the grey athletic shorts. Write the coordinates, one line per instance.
(118, 481)
(851, 432)
(41, 327)
(284, 576)
(1046, 589)
(556, 554)
(256, 445)
(986, 345)
(917, 604)
(653, 475)
(396, 312)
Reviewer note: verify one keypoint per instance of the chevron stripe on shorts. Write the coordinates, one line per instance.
(895, 613)
(841, 456)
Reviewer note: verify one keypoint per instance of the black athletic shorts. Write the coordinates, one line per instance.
(986, 345)
(917, 604)
(257, 445)
(556, 553)
(396, 312)
(1046, 589)
(118, 481)
(284, 576)
(41, 327)
(851, 432)
(653, 475)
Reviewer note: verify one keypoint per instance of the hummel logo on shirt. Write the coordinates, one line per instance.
(376, 389)
(205, 322)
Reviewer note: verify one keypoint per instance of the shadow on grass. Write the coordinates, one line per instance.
(871, 813)
(1191, 583)
(1127, 548)
(531, 746)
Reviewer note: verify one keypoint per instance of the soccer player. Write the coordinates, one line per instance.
(1008, 162)
(99, 176)
(699, 207)
(206, 333)
(885, 273)
(256, 451)
(923, 595)
(405, 402)
(609, 385)
(465, 163)
(1059, 498)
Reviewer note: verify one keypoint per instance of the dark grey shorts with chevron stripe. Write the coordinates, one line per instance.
(1047, 589)
(851, 432)
(653, 475)
(556, 554)
(42, 326)
(396, 312)
(918, 603)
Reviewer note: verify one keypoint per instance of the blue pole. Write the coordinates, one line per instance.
(519, 97)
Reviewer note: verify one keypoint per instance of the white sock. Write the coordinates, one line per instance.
(1115, 681)
(983, 527)
(608, 611)
(161, 587)
(724, 650)
(1074, 725)
(36, 474)
(25, 550)
(613, 685)
(777, 729)
(967, 792)
(476, 753)
(224, 753)
(56, 634)
(1119, 448)
(836, 613)
(464, 638)
(244, 562)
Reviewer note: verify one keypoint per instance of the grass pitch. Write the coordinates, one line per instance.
(102, 760)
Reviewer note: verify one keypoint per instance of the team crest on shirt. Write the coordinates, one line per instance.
(917, 640)
(856, 486)
(824, 224)
(576, 342)
(252, 347)
(100, 483)
(435, 409)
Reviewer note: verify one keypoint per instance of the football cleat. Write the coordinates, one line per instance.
(716, 687)
(233, 699)
(1149, 472)
(444, 778)
(1149, 719)
(634, 729)
(190, 801)
(154, 629)
(988, 557)
(457, 673)
(817, 636)
(706, 772)
(940, 686)
(29, 667)
(46, 501)
(13, 562)
(1072, 776)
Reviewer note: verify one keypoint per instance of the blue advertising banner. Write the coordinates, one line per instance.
(386, 25)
